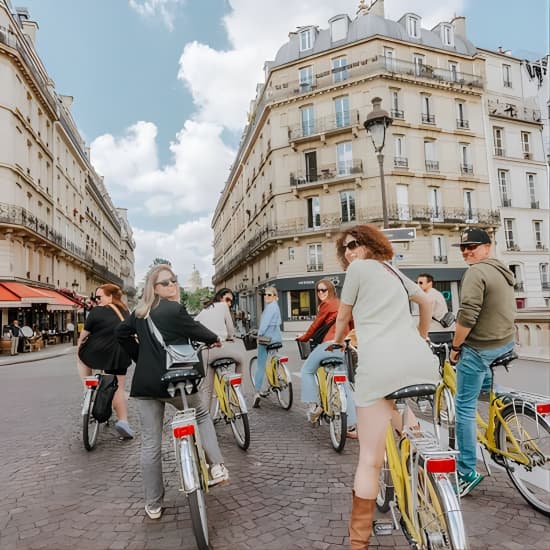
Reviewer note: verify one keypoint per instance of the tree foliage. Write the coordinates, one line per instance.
(193, 300)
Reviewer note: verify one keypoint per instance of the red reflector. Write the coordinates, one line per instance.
(543, 408)
(236, 381)
(92, 383)
(182, 431)
(441, 465)
(339, 377)
(283, 359)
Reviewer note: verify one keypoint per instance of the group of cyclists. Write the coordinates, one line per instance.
(391, 348)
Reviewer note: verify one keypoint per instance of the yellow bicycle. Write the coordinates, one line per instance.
(516, 433)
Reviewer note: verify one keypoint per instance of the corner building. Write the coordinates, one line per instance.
(306, 168)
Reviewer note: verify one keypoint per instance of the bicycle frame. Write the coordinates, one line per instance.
(220, 381)
(324, 377)
(271, 368)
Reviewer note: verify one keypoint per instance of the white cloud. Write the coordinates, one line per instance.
(165, 9)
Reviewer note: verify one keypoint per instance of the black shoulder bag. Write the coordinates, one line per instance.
(103, 403)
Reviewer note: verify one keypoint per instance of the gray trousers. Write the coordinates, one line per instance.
(14, 344)
(151, 413)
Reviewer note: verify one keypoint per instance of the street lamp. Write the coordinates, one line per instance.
(75, 317)
(375, 125)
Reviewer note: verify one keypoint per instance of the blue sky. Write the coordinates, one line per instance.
(161, 90)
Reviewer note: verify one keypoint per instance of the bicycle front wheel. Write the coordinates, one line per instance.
(337, 419)
(531, 433)
(284, 389)
(199, 520)
(239, 419)
(444, 418)
(90, 426)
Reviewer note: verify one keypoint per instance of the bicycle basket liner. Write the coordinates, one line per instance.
(102, 409)
(304, 348)
(250, 342)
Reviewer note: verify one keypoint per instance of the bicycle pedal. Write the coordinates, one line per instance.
(382, 528)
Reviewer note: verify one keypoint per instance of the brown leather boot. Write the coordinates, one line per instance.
(360, 523)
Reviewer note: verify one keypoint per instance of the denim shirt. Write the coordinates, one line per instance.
(270, 322)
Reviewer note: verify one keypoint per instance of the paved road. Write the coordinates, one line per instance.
(289, 491)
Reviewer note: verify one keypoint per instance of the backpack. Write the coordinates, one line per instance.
(102, 408)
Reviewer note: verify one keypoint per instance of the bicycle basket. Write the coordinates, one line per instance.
(250, 342)
(304, 348)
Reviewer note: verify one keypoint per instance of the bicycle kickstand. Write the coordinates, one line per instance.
(485, 461)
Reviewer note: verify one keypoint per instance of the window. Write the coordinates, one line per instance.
(498, 136)
(544, 276)
(390, 60)
(461, 121)
(340, 69)
(347, 203)
(413, 26)
(344, 158)
(432, 165)
(509, 233)
(301, 305)
(396, 112)
(469, 206)
(402, 195)
(516, 270)
(341, 109)
(465, 161)
(291, 253)
(338, 29)
(306, 78)
(537, 229)
(439, 248)
(418, 61)
(400, 156)
(306, 40)
(315, 257)
(447, 35)
(532, 187)
(427, 116)
(308, 120)
(503, 188)
(507, 76)
(313, 213)
(453, 69)
(311, 166)
(435, 203)
(526, 144)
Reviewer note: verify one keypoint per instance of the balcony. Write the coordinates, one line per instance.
(511, 110)
(540, 246)
(535, 205)
(519, 287)
(327, 173)
(324, 125)
(462, 124)
(506, 202)
(499, 152)
(428, 119)
(545, 285)
(315, 267)
(396, 113)
(432, 166)
(507, 83)
(466, 169)
(511, 246)
(440, 259)
(400, 162)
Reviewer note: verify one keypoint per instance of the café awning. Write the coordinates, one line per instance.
(27, 295)
(9, 298)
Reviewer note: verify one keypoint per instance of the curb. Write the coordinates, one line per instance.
(34, 358)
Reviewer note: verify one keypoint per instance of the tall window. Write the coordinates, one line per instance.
(544, 276)
(315, 257)
(465, 160)
(389, 58)
(399, 155)
(311, 165)
(340, 69)
(306, 40)
(418, 61)
(313, 213)
(435, 204)
(306, 78)
(447, 35)
(413, 26)
(503, 188)
(461, 121)
(498, 136)
(453, 68)
(439, 248)
(396, 111)
(516, 271)
(432, 165)
(507, 76)
(341, 109)
(509, 233)
(402, 195)
(537, 230)
(344, 159)
(308, 120)
(347, 203)
(291, 253)
(427, 116)
(532, 187)
(526, 144)
(469, 206)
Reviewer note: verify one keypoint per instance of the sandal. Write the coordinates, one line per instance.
(352, 433)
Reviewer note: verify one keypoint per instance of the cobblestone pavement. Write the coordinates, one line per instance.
(289, 491)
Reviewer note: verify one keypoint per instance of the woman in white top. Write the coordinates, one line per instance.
(392, 353)
(216, 316)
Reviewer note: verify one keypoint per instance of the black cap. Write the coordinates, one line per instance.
(474, 235)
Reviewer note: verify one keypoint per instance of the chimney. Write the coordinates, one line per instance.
(459, 25)
(28, 27)
(67, 101)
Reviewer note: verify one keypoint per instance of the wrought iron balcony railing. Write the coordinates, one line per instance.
(401, 162)
(545, 285)
(428, 119)
(499, 152)
(315, 267)
(506, 202)
(327, 172)
(440, 259)
(519, 287)
(396, 113)
(432, 166)
(322, 125)
(467, 169)
(461, 123)
(535, 204)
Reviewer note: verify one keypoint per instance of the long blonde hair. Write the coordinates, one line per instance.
(149, 300)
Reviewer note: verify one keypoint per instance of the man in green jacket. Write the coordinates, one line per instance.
(484, 331)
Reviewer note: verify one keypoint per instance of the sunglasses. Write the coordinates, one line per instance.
(167, 282)
(322, 290)
(268, 294)
(470, 247)
(419, 283)
(352, 245)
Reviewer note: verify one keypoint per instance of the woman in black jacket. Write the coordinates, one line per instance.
(161, 301)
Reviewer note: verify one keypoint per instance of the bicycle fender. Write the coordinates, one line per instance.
(242, 402)
(343, 398)
(87, 399)
(189, 474)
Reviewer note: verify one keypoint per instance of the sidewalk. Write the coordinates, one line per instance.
(46, 353)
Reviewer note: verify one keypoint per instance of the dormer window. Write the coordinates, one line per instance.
(306, 39)
(338, 29)
(447, 35)
(413, 26)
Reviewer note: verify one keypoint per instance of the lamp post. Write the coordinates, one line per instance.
(75, 316)
(376, 123)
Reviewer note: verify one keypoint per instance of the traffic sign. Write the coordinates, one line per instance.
(400, 234)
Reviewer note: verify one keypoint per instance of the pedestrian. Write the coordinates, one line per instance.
(270, 328)
(97, 348)
(15, 335)
(161, 302)
(327, 309)
(439, 305)
(392, 353)
(484, 330)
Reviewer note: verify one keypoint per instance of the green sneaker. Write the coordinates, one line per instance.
(467, 483)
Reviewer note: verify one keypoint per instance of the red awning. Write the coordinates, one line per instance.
(60, 302)
(27, 295)
(9, 298)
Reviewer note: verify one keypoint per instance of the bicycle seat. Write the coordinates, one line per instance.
(441, 337)
(332, 362)
(504, 359)
(418, 390)
(222, 362)
(274, 346)
(180, 375)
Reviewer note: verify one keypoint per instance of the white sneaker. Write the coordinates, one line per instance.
(218, 474)
(154, 512)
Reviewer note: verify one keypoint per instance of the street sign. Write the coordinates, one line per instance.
(400, 234)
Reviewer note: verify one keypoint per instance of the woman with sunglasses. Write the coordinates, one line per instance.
(103, 352)
(161, 302)
(392, 353)
(216, 316)
(327, 309)
(270, 327)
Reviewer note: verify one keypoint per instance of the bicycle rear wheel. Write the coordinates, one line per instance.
(239, 421)
(199, 520)
(284, 389)
(385, 487)
(444, 418)
(252, 367)
(90, 426)
(337, 419)
(532, 434)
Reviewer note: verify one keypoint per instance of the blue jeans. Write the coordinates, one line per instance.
(472, 375)
(310, 393)
(260, 370)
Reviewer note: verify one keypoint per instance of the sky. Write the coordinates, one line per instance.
(162, 87)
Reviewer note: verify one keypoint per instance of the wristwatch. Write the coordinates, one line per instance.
(456, 348)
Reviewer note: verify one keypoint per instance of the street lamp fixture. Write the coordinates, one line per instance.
(376, 123)
(75, 285)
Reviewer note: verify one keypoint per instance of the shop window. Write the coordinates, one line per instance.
(302, 305)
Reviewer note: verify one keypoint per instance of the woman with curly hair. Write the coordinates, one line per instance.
(392, 353)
